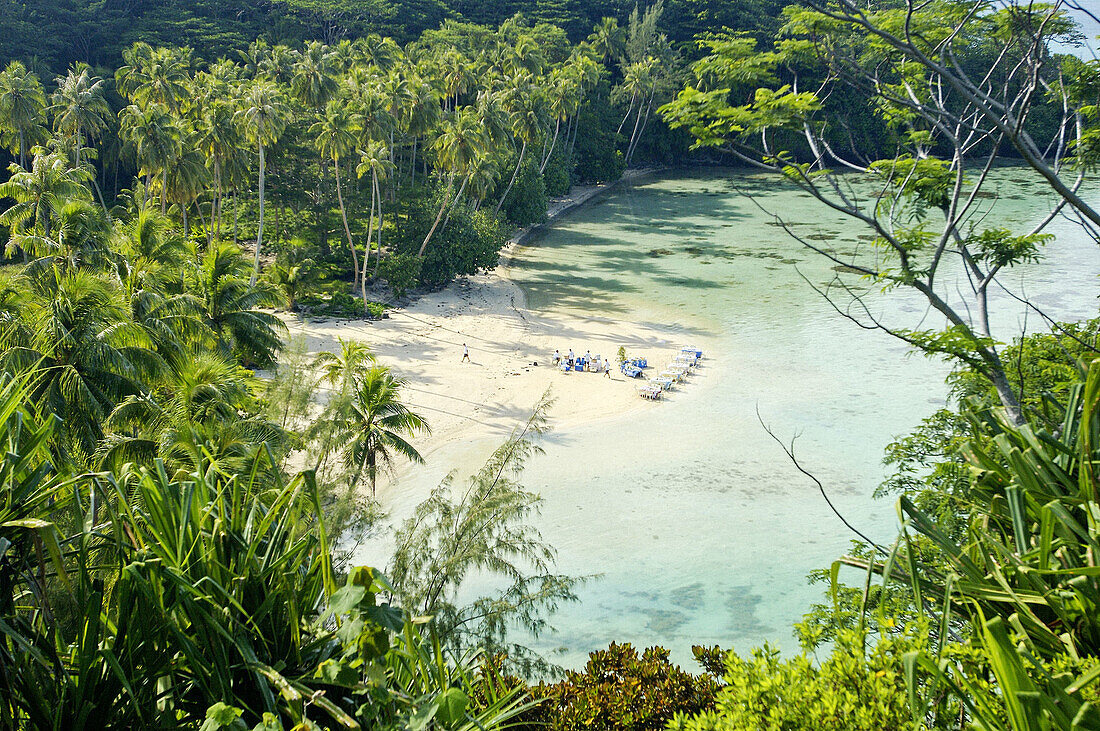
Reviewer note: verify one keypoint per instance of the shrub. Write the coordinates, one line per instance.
(400, 271)
(527, 201)
(855, 689)
(598, 159)
(621, 690)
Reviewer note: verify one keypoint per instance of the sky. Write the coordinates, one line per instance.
(1089, 27)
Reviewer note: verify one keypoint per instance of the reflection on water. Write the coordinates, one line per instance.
(701, 530)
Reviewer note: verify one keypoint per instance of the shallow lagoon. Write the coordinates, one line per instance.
(700, 528)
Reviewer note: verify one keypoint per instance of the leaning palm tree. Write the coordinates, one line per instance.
(462, 141)
(524, 117)
(374, 425)
(263, 118)
(22, 108)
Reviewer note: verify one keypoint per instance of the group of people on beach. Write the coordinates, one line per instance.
(586, 361)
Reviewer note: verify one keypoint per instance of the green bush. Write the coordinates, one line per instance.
(401, 271)
(854, 689)
(597, 155)
(556, 175)
(621, 690)
(527, 201)
(470, 243)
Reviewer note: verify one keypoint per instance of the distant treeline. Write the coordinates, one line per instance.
(49, 35)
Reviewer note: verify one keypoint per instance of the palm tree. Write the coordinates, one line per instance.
(187, 178)
(461, 142)
(151, 75)
(148, 242)
(290, 280)
(608, 39)
(79, 237)
(313, 80)
(564, 100)
(41, 191)
(263, 118)
(203, 409)
(154, 136)
(22, 107)
(375, 159)
(79, 106)
(525, 124)
(371, 425)
(335, 135)
(341, 369)
(230, 306)
(423, 114)
(218, 139)
(88, 355)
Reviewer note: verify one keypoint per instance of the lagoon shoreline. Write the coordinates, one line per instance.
(510, 348)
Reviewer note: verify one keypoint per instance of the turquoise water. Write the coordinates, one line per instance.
(699, 527)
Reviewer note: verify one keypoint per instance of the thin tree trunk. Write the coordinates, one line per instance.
(186, 223)
(412, 167)
(645, 121)
(217, 210)
(164, 191)
(522, 149)
(457, 201)
(236, 236)
(630, 146)
(378, 256)
(22, 150)
(446, 199)
(627, 115)
(347, 229)
(557, 126)
(259, 226)
(366, 256)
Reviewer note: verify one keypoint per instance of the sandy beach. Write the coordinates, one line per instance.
(510, 351)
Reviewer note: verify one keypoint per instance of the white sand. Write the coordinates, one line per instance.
(497, 390)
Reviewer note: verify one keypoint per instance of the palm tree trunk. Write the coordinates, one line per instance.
(628, 111)
(630, 146)
(645, 121)
(378, 256)
(236, 236)
(217, 199)
(347, 230)
(557, 126)
(186, 223)
(412, 167)
(446, 199)
(259, 226)
(366, 255)
(522, 149)
(458, 199)
(22, 150)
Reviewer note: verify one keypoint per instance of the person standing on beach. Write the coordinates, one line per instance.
(465, 354)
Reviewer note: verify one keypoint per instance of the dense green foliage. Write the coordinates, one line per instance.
(163, 565)
(622, 690)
